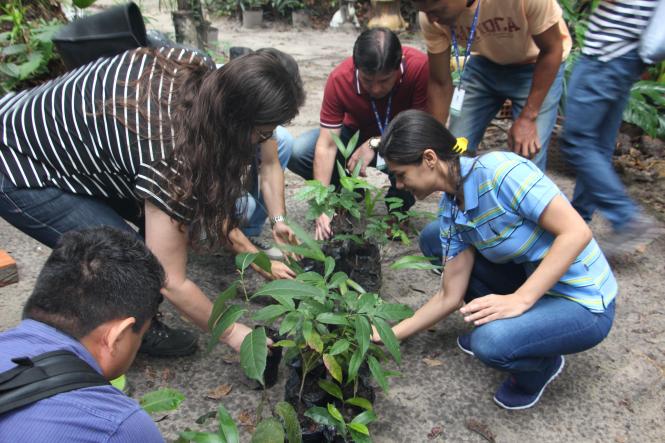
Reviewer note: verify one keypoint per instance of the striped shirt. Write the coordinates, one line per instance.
(504, 196)
(615, 27)
(65, 133)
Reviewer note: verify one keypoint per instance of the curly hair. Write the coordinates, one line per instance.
(214, 113)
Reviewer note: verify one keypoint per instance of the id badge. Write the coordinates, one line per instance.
(457, 102)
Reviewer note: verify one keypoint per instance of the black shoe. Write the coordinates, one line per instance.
(162, 341)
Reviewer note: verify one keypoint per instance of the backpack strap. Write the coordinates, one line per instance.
(44, 376)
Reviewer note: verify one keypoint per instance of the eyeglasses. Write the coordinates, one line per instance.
(264, 135)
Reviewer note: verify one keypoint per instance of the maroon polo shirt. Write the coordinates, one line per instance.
(346, 103)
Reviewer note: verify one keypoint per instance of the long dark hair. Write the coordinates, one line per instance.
(413, 131)
(214, 113)
(377, 50)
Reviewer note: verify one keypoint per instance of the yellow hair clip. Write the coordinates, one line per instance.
(460, 146)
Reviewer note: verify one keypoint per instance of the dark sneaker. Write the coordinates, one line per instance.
(637, 234)
(511, 396)
(271, 251)
(464, 343)
(162, 341)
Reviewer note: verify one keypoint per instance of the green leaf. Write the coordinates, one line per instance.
(269, 430)
(284, 344)
(321, 416)
(289, 322)
(329, 266)
(354, 364)
(253, 354)
(269, 313)
(346, 153)
(263, 261)
(290, 421)
(29, 67)
(245, 259)
(165, 399)
(119, 383)
(230, 316)
(334, 369)
(334, 413)
(309, 241)
(359, 427)
(312, 337)
(341, 171)
(354, 141)
(357, 437)
(377, 372)
(367, 302)
(289, 288)
(393, 311)
(332, 319)
(220, 304)
(361, 403)
(227, 426)
(363, 333)
(339, 347)
(285, 301)
(337, 279)
(201, 437)
(388, 338)
(331, 388)
(415, 262)
(83, 3)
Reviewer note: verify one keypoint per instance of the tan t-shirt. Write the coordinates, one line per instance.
(504, 32)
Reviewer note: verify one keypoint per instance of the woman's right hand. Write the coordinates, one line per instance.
(236, 335)
(323, 230)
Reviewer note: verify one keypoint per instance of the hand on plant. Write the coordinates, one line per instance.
(283, 234)
(235, 335)
(323, 230)
(365, 154)
(523, 137)
(494, 307)
(280, 271)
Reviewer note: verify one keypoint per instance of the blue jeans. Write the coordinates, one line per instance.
(527, 345)
(597, 95)
(46, 213)
(302, 163)
(488, 85)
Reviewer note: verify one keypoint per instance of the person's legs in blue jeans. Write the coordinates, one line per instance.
(516, 85)
(527, 345)
(481, 101)
(252, 204)
(597, 95)
(45, 214)
(302, 158)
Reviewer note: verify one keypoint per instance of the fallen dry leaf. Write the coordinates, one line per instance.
(150, 373)
(432, 362)
(435, 432)
(245, 418)
(481, 429)
(219, 392)
(231, 359)
(166, 375)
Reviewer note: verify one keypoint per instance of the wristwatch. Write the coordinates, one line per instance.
(374, 143)
(276, 219)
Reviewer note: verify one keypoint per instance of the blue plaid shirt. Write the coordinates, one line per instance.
(504, 196)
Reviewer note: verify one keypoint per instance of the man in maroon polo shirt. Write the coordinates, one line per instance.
(363, 93)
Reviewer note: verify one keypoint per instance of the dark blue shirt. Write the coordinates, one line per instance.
(96, 414)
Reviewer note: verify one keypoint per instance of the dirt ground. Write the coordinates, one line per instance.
(612, 393)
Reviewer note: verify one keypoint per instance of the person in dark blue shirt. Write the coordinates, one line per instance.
(95, 297)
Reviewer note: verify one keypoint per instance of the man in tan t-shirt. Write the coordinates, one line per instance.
(518, 50)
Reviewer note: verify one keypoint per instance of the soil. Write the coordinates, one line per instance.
(611, 393)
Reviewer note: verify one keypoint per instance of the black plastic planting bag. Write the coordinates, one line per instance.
(104, 34)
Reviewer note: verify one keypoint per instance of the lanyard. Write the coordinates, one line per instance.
(383, 126)
(467, 53)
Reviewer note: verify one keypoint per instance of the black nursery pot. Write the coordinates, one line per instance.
(362, 263)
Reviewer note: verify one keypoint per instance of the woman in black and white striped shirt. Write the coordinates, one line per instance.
(160, 133)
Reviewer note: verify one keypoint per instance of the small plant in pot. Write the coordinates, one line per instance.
(252, 13)
(294, 8)
(358, 227)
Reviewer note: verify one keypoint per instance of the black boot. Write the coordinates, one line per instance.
(162, 341)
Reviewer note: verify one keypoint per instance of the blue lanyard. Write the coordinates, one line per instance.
(472, 34)
(382, 127)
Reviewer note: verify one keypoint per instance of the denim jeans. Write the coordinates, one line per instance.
(46, 213)
(597, 95)
(302, 163)
(488, 85)
(527, 345)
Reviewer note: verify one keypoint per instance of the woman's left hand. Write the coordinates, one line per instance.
(494, 307)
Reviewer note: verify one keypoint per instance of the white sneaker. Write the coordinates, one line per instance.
(271, 251)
